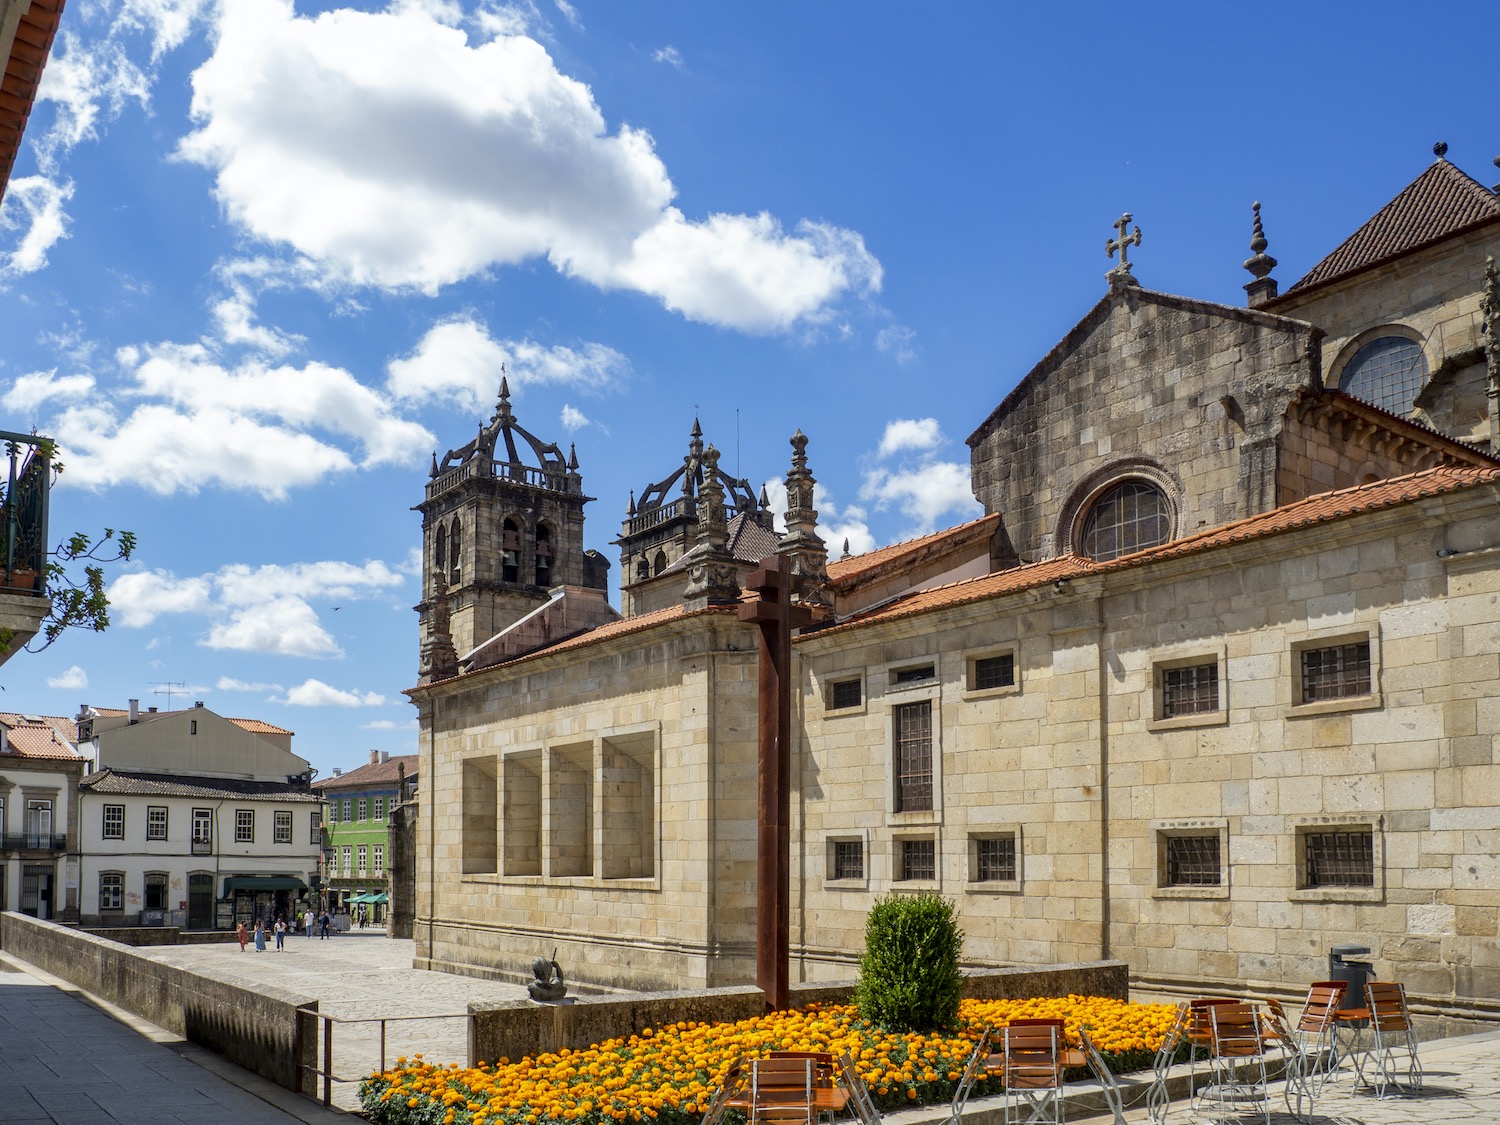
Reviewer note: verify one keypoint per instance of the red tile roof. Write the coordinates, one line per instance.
(1438, 204)
(848, 572)
(142, 784)
(1304, 513)
(39, 736)
(254, 726)
(23, 73)
(372, 774)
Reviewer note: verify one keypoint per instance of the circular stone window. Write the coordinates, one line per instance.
(1130, 516)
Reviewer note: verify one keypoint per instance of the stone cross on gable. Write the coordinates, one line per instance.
(1121, 274)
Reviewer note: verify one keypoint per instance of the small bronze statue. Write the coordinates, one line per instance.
(549, 983)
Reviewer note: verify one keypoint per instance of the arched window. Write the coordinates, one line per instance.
(661, 561)
(510, 551)
(455, 550)
(1131, 516)
(440, 549)
(642, 571)
(543, 555)
(1388, 371)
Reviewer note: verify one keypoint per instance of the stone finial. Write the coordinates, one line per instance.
(846, 554)
(1489, 308)
(630, 511)
(713, 524)
(695, 446)
(713, 578)
(1440, 149)
(502, 408)
(801, 542)
(1259, 264)
(1121, 275)
(438, 658)
(434, 472)
(572, 456)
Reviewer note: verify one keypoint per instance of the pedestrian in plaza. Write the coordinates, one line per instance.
(308, 920)
(260, 936)
(323, 933)
(280, 934)
(243, 934)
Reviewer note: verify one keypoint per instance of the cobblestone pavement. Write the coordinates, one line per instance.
(357, 975)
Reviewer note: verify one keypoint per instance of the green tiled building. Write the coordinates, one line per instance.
(356, 833)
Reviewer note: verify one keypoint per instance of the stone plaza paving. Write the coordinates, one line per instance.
(67, 1057)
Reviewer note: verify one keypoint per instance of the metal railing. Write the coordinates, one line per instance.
(23, 513)
(322, 1065)
(34, 841)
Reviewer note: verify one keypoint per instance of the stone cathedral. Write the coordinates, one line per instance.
(1213, 685)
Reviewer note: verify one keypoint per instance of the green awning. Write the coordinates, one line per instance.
(381, 897)
(262, 883)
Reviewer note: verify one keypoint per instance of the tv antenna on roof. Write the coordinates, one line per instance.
(169, 688)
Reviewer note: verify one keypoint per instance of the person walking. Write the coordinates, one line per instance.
(308, 921)
(260, 936)
(323, 931)
(243, 934)
(280, 935)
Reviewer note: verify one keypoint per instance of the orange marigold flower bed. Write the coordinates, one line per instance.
(667, 1075)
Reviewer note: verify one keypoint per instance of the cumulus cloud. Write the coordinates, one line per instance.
(669, 55)
(37, 388)
(920, 434)
(315, 693)
(389, 724)
(41, 221)
(85, 81)
(229, 683)
(459, 362)
(74, 679)
(906, 473)
(569, 13)
(262, 609)
(899, 341)
(393, 151)
(835, 523)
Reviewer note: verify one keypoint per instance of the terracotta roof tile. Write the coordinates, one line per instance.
(844, 572)
(129, 783)
(22, 74)
(254, 726)
(39, 736)
(1304, 513)
(1439, 203)
(374, 773)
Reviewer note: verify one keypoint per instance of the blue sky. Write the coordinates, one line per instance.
(260, 259)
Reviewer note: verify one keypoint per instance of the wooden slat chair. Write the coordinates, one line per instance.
(1313, 1032)
(1200, 1037)
(1032, 1065)
(1238, 1066)
(1392, 1039)
(1157, 1097)
(781, 1090)
(830, 1096)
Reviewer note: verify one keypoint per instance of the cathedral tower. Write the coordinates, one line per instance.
(502, 524)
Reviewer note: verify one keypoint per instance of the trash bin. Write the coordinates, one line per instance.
(1355, 974)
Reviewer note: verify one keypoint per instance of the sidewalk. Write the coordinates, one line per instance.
(69, 1057)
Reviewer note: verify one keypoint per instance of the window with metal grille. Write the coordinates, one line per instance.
(1189, 691)
(845, 693)
(1388, 371)
(913, 736)
(1193, 861)
(1131, 516)
(1339, 672)
(111, 891)
(995, 859)
(1339, 859)
(918, 860)
(848, 859)
(282, 828)
(244, 826)
(156, 823)
(995, 671)
(913, 675)
(114, 822)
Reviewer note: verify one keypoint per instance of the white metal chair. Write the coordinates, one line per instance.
(1392, 1039)
(1157, 1097)
(1032, 1069)
(1237, 1066)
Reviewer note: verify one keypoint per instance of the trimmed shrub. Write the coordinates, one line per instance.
(908, 976)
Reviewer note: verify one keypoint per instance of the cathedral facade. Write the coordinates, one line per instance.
(1210, 688)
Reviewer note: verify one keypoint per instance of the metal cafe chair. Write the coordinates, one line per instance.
(1313, 1032)
(1392, 1039)
(1238, 1080)
(1032, 1064)
(1300, 1062)
(1157, 1098)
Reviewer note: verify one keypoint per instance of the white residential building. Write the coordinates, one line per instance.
(39, 772)
(193, 819)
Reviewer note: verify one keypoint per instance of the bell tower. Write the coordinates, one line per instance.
(502, 525)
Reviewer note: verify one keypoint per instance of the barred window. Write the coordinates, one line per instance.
(995, 859)
(1193, 861)
(848, 859)
(917, 860)
(845, 693)
(1131, 516)
(111, 892)
(913, 736)
(1339, 859)
(913, 675)
(1338, 672)
(283, 828)
(156, 823)
(994, 672)
(1388, 371)
(114, 822)
(1189, 691)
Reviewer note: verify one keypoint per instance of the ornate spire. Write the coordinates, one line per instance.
(502, 408)
(573, 456)
(1121, 276)
(713, 578)
(434, 472)
(630, 511)
(1260, 264)
(808, 554)
(1489, 308)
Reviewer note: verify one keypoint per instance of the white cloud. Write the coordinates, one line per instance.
(459, 362)
(393, 151)
(43, 222)
(835, 524)
(389, 724)
(85, 81)
(229, 683)
(930, 495)
(35, 389)
(899, 341)
(263, 609)
(315, 693)
(909, 433)
(574, 420)
(569, 13)
(168, 22)
(669, 55)
(74, 679)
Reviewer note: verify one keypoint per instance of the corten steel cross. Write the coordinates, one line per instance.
(774, 612)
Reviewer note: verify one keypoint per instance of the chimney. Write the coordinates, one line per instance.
(374, 757)
(197, 703)
(135, 710)
(337, 771)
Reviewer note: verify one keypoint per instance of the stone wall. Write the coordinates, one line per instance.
(257, 1029)
(524, 1028)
